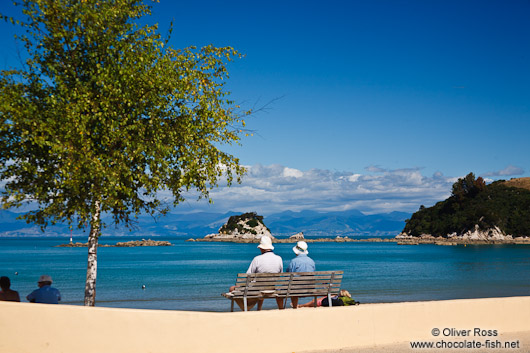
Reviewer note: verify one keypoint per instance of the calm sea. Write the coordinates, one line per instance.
(191, 276)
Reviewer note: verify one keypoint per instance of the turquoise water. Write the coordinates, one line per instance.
(191, 276)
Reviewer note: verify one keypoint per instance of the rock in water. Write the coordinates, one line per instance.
(128, 244)
(297, 236)
(143, 242)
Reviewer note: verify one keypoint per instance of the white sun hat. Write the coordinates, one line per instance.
(301, 248)
(265, 243)
(45, 278)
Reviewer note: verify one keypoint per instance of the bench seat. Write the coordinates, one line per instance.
(285, 285)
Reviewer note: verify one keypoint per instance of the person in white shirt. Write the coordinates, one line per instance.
(267, 262)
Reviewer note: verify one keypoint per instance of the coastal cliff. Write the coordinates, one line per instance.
(476, 212)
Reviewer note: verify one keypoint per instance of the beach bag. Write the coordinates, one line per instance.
(335, 301)
(348, 301)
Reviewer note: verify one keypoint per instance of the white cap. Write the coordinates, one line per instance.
(301, 248)
(265, 243)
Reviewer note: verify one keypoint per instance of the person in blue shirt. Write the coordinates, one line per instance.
(46, 294)
(301, 263)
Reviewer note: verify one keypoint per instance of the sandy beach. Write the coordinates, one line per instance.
(521, 341)
(29, 327)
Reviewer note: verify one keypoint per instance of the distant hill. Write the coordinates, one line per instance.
(473, 205)
(202, 223)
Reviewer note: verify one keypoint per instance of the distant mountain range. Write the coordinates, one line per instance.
(312, 223)
(353, 222)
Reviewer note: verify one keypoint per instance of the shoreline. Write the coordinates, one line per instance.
(363, 328)
(400, 241)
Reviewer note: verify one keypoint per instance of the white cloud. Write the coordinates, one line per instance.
(295, 173)
(375, 169)
(353, 178)
(276, 188)
(508, 171)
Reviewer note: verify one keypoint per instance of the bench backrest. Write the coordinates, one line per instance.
(290, 284)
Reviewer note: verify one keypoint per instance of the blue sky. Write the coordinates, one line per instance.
(375, 105)
(443, 86)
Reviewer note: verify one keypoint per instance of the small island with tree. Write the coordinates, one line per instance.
(247, 227)
(245, 223)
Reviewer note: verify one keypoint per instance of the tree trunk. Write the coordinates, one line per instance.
(92, 266)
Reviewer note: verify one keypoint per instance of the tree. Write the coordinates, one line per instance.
(104, 114)
(468, 186)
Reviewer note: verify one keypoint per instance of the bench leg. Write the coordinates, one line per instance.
(279, 302)
(232, 306)
(329, 300)
(245, 304)
(315, 302)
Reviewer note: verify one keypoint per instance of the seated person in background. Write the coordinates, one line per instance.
(301, 263)
(323, 301)
(6, 293)
(267, 262)
(46, 294)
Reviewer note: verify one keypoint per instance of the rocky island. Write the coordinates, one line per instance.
(246, 227)
(127, 244)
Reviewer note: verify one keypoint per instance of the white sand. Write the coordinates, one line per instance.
(518, 339)
(26, 327)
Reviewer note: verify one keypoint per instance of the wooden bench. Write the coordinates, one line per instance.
(285, 285)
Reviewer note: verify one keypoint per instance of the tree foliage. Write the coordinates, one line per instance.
(106, 111)
(474, 203)
(103, 114)
(468, 186)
